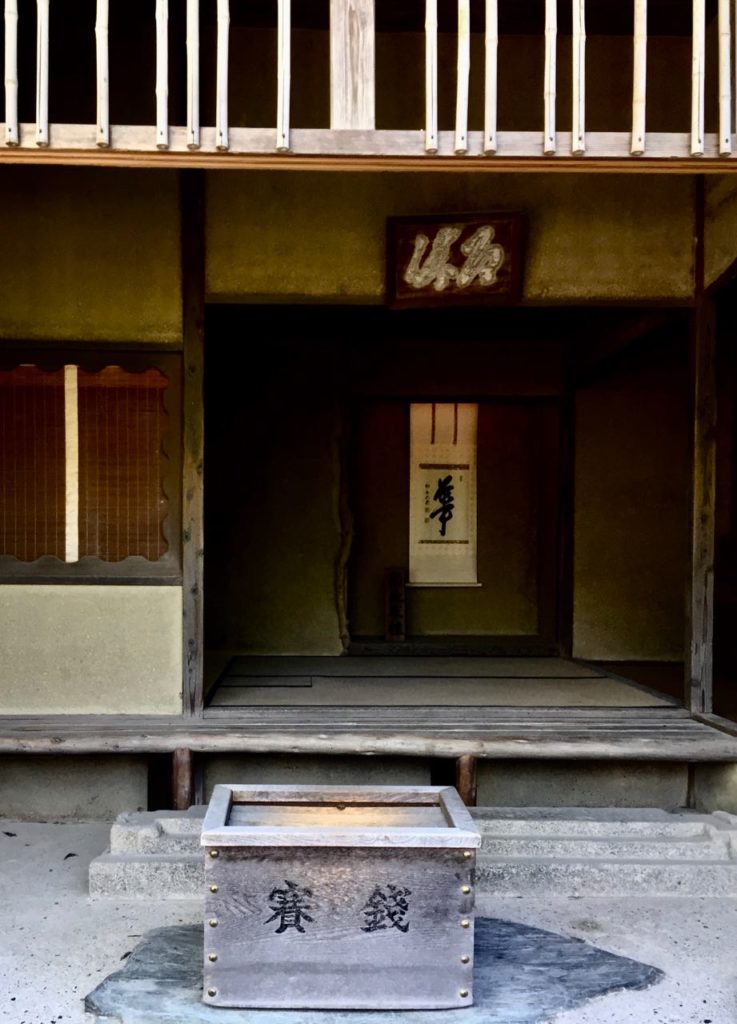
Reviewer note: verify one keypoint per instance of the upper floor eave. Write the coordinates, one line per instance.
(365, 150)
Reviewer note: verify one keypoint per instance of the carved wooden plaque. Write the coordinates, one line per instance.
(466, 259)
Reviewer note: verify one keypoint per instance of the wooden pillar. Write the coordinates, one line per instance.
(182, 778)
(193, 541)
(352, 64)
(699, 670)
(466, 779)
(700, 674)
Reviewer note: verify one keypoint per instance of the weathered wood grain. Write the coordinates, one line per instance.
(351, 150)
(467, 779)
(703, 516)
(192, 207)
(343, 954)
(352, 64)
(182, 780)
(338, 816)
(630, 734)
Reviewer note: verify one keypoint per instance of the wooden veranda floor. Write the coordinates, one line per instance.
(533, 708)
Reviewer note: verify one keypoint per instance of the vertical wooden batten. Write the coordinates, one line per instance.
(463, 76)
(42, 72)
(431, 76)
(699, 682)
(193, 74)
(162, 74)
(639, 79)
(352, 64)
(71, 464)
(11, 73)
(725, 78)
(103, 72)
(550, 85)
(698, 62)
(578, 121)
(491, 77)
(221, 94)
(284, 73)
(192, 212)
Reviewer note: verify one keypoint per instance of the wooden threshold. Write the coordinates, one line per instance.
(365, 150)
(641, 734)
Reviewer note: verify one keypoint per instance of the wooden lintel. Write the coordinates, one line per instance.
(467, 779)
(182, 778)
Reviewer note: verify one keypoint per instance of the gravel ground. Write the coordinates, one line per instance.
(58, 944)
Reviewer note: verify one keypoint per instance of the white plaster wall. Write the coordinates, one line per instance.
(90, 649)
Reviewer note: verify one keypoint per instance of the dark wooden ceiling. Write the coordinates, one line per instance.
(665, 17)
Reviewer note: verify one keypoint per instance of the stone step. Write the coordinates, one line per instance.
(154, 876)
(529, 876)
(157, 831)
(524, 852)
(702, 848)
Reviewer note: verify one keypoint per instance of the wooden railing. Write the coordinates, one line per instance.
(352, 131)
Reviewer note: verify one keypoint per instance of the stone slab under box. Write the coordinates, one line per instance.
(339, 897)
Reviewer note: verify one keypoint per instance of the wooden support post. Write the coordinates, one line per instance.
(431, 76)
(699, 684)
(639, 79)
(464, 73)
(550, 85)
(284, 74)
(193, 295)
(698, 62)
(699, 696)
(182, 779)
(103, 85)
(193, 74)
(11, 73)
(352, 64)
(467, 779)
(42, 72)
(491, 77)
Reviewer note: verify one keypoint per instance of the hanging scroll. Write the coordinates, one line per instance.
(442, 504)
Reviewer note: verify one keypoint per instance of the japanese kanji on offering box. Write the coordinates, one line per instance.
(338, 897)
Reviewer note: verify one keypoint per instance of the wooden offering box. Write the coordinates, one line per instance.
(337, 897)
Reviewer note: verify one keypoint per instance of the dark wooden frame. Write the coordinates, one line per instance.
(91, 569)
(554, 624)
(397, 239)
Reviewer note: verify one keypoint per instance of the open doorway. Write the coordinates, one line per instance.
(582, 448)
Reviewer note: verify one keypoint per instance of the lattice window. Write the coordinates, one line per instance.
(83, 464)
